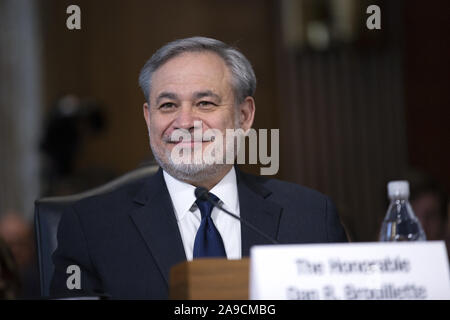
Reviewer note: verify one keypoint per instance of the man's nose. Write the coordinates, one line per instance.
(185, 118)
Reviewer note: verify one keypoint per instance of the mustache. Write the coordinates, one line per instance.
(185, 137)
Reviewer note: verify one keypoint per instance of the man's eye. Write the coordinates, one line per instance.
(167, 105)
(206, 104)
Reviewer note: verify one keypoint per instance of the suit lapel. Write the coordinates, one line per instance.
(156, 222)
(258, 210)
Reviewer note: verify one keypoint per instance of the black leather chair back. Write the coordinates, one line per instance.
(48, 213)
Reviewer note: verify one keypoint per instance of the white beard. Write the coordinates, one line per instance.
(195, 172)
(185, 171)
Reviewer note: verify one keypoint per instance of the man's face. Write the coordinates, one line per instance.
(189, 88)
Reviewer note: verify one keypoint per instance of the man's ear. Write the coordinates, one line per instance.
(247, 113)
(146, 109)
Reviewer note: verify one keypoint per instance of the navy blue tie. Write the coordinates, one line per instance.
(208, 242)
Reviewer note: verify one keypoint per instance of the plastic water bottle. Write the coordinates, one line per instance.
(400, 223)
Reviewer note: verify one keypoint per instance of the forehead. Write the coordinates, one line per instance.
(192, 71)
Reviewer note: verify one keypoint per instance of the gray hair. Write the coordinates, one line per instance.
(243, 77)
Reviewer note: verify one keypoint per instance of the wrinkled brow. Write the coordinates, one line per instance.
(196, 96)
(166, 95)
(207, 93)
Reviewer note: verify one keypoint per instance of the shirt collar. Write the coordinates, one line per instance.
(182, 193)
(226, 191)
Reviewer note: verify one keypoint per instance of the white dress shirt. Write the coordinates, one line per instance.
(189, 217)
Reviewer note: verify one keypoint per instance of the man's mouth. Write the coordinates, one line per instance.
(188, 141)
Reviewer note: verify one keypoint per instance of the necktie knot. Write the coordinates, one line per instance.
(205, 206)
(208, 242)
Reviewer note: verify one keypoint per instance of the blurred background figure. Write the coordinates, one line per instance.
(69, 124)
(17, 234)
(430, 204)
(9, 277)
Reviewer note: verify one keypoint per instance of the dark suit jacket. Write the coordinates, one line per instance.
(125, 242)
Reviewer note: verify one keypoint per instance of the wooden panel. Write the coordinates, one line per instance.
(427, 69)
(210, 279)
(344, 129)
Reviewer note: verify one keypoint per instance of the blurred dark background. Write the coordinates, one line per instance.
(356, 108)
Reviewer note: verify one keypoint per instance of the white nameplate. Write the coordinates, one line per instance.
(351, 271)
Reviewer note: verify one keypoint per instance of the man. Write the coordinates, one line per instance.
(126, 242)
